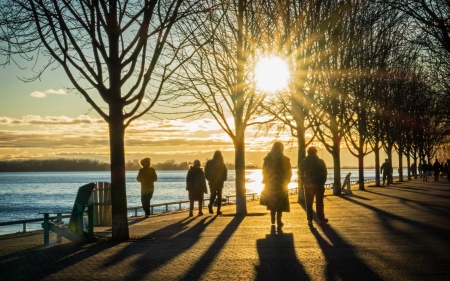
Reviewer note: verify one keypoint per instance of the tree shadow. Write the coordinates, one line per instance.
(342, 261)
(213, 251)
(159, 247)
(438, 210)
(277, 258)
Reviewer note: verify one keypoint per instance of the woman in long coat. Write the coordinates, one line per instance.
(196, 186)
(277, 174)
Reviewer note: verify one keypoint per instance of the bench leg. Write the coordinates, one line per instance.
(91, 224)
(46, 230)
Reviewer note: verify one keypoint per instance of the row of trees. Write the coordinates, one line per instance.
(53, 165)
(64, 164)
(368, 74)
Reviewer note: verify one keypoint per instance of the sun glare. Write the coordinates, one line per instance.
(271, 74)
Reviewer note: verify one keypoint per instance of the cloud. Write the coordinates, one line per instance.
(40, 95)
(50, 120)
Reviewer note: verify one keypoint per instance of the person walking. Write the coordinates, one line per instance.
(436, 170)
(196, 187)
(146, 176)
(413, 170)
(314, 176)
(277, 173)
(425, 171)
(386, 170)
(216, 174)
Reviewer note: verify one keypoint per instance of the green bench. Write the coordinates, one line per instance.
(74, 230)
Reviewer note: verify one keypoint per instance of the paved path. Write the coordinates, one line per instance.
(401, 232)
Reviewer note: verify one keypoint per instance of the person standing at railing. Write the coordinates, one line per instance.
(147, 176)
(314, 177)
(216, 174)
(277, 173)
(196, 186)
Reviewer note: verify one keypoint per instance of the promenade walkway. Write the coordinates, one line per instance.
(401, 232)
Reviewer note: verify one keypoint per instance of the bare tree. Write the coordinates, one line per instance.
(111, 51)
(219, 78)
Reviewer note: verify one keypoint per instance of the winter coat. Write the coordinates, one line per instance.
(147, 176)
(314, 171)
(276, 178)
(196, 183)
(216, 174)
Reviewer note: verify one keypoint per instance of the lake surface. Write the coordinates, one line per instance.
(24, 195)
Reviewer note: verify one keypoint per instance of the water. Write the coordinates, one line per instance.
(24, 195)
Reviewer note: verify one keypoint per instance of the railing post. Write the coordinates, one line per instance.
(24, 227)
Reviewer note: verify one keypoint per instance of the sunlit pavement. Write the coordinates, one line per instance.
(401, 232)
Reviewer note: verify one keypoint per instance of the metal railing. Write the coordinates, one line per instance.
(293, 190)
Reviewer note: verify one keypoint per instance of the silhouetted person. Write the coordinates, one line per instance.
(147, 176)
(436, 170)
(413, 169)
(216, 174)
(314, 176)
(425, 171)
(196, 186)
(277, 173)
(386, 170)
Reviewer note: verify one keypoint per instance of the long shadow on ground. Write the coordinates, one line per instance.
(342, 261)
(277, 258)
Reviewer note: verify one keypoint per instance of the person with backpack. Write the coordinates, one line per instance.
(196, 187)
(216, 174)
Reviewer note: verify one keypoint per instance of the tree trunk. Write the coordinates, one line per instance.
(239, 158)
(337, 169)
(361, 170)
(239, 141)
(300, 157)
(408, 163)
(400, 165)
(376, 150)
(118, 182)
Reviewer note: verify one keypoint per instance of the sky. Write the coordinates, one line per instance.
(42, 120)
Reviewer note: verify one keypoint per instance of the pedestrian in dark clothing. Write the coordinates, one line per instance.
(420, 168)
(277, 173)
(425, 171)
(436, 170)
(196, 186)
(314, 175)
(216, 174)
(147, 176)
(413, 170)
(386, 170)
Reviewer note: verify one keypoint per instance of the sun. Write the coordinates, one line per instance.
(271, 74)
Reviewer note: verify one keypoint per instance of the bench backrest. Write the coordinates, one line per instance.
(82, 198)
